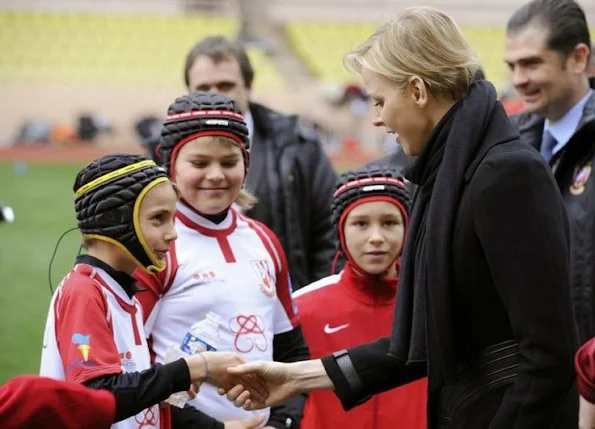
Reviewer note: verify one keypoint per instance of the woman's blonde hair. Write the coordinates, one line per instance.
(420, 41)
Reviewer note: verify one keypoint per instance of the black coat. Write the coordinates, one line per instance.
(573, 169)
(509, 283)
(294, 182)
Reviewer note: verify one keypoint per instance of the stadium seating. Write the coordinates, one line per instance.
(115, 49)
(322, 46)
(120, 49)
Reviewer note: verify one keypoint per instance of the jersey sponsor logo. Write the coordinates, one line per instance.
(328, 329)
(205, 277)
(249, 333)
(128, 363)
(264, 274)
(581, 176)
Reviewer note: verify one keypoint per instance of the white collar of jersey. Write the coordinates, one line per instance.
(204, 222)
(113, 285)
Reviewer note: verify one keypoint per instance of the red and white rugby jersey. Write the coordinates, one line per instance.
(236, 269)
(94, 329)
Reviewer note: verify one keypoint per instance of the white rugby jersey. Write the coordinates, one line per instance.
(236, 269)
(94, 329)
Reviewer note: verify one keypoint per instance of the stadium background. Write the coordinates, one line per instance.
(121, 60)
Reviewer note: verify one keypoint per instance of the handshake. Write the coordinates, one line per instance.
(259, 384)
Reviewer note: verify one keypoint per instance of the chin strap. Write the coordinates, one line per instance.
(335, 260)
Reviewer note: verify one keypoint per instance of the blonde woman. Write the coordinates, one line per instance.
(483, 304)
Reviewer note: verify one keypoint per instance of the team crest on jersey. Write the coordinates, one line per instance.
(263, 272)
(581, 176)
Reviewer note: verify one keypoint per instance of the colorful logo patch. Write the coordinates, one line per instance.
(84, 344)
(581, 176)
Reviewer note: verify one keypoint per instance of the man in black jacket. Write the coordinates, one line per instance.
(289, 172)
(547, 51)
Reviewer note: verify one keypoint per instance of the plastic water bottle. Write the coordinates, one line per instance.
(203, 336)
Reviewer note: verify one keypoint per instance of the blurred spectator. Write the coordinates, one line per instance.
(148, 130)
(89, 127)
(63, 134)
(254, 23)
(36, 131)
(290, 173)
(547, 51)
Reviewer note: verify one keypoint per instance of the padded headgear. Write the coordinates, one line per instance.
(367, 182)
(201, 114)
(373, 183)
(108, 195)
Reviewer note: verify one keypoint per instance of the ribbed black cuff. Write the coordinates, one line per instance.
(179, 374)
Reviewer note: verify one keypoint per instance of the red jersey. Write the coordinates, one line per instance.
(585, 369)
(38, 402)
(346, 310)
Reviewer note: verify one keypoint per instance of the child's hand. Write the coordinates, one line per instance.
(193, 391)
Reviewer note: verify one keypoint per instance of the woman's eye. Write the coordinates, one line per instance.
(229, 164)
(199, 164)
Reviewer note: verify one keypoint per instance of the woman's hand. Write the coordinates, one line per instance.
(211, 367)
(278, 382)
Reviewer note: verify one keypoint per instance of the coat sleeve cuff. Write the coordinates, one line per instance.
(348, 386)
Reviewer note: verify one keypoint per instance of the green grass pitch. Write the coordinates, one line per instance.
(41, 196)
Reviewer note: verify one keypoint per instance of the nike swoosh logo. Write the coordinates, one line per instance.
(331, 330)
